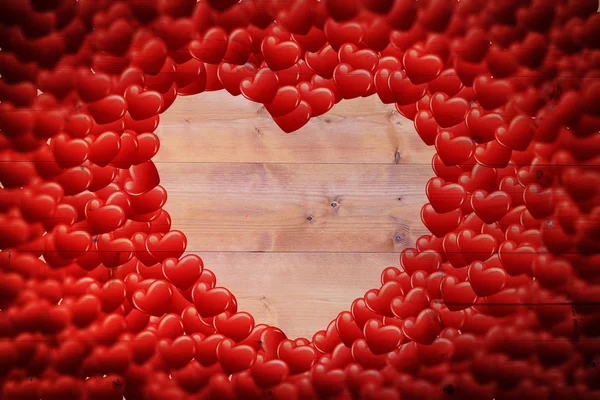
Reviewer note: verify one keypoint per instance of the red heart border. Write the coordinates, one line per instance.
(513, 209)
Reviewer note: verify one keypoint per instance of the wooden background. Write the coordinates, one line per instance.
(296, 225)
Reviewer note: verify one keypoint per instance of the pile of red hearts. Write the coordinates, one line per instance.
(98, 300)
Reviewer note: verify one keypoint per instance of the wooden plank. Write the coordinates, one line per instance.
(216, 127)
(288, 207)
(297, 292)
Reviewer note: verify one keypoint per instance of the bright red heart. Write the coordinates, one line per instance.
(279, 55)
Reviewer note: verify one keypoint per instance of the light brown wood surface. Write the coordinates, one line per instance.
(296, 225)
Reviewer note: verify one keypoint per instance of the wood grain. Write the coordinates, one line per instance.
(256, 203)
(216, 127)
(298, 292)
(288, 207)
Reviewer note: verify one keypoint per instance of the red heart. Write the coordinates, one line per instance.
(492, 93)
(270, 373)
(351, 82)
(262, 88)
(169, 245)
(295, 119)
(235, 326)
(422, 68)
(143, 178)
(323, 62)
(427, 127)
(473, 47)
(194, 323)
(151, 56)
(485, 280)
(112, 295)
(184, 272)
(320, 99)
(364, 356)
(176, 33)
(142, 104)
(481, 177)
(155, 300)
(440, 224)
(92, 87)
(177, 353)
(410, 305)
(516, 259)
(339, 34)
(108, 110)
(104, 149)
(438, 352)
(290, 76)
(476, 247)
(382, 339)
(103, 218)
(405, 92)
(483, 125)
(358, 59)
(447, 82)
(211, 301)
(326, 341)
(347, 328)
(279, 55)
(412, 261)
(490, 207)
(383, 90)
(162, 81)
(212, 47)
(114, 252)
(448, 111)
(425, 328)
(493, 154)
(457, 295)
(518, 135)
(552, 273)
(467, 71)
(378, 300)
(454, 150)
(285, 101)
(539, 201)
(298, 357)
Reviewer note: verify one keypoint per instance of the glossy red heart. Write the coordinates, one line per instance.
(410, 305)
(262, 88)
(490, 207)
(295, 119)
(212, 47)
(351, 82)
(211, 301)
(440, 224)
(142, 104)
(280, 55)
(422, 68)
(155, 300)
(425, 328)
(518, 135)
(448, 111)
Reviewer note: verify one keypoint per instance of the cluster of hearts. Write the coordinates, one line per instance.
(98, 300)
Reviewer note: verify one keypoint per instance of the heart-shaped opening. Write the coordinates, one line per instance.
(497, 303)
(309, 220)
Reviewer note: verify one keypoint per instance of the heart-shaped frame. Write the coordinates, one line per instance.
(497, 303)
